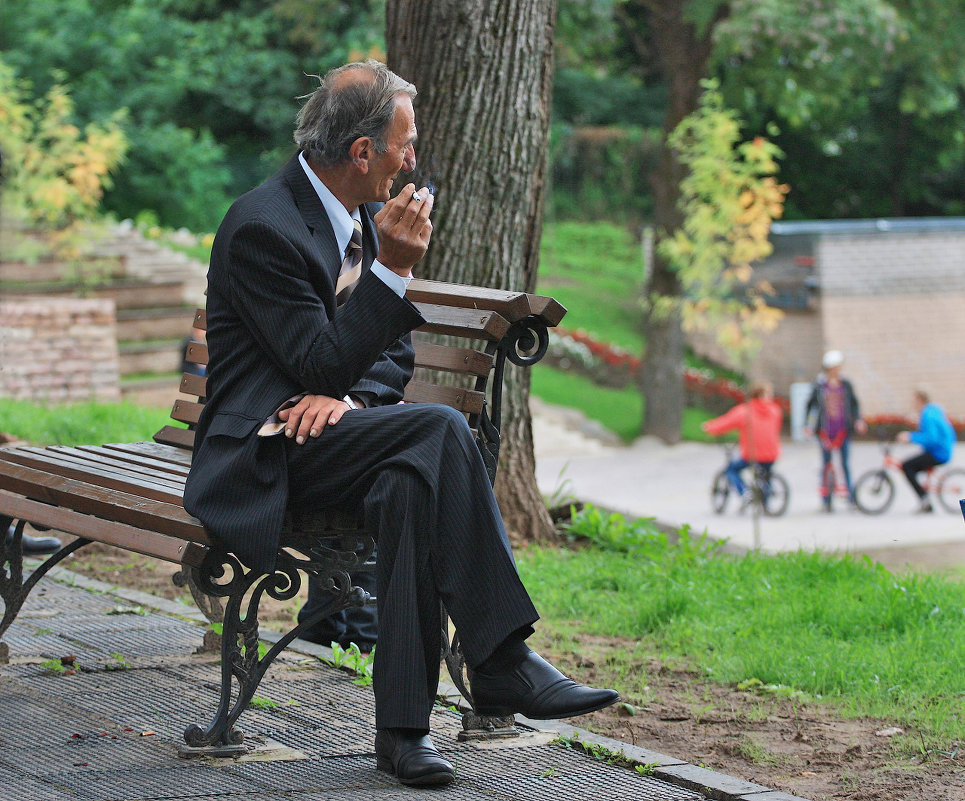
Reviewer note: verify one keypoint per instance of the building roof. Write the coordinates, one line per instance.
(883, 225)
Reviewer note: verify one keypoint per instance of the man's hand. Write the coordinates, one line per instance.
(404, 229)
(861, 426)
(308, 417)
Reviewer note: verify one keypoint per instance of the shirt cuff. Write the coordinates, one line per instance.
(394, 281)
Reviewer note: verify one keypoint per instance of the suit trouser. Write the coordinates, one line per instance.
(423, 488)
(915, 465)
(357, 624)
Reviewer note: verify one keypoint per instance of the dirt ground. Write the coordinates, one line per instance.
(780, 742)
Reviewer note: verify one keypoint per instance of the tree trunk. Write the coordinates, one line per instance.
(682, 53)
(484, 74)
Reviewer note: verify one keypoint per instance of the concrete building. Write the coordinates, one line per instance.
(888, 293)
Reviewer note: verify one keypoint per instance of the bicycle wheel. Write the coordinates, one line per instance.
(775, 495)
(874, 492)
(719, 492)
(951, 488)
(828, 482)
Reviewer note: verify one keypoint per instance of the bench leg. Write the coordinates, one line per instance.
(474, 727)
(208, 605)
(13, 589)
(242, 666)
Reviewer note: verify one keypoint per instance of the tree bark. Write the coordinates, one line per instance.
(682, 53)
(484, 74)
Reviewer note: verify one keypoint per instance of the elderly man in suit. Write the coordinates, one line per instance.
(303, 315)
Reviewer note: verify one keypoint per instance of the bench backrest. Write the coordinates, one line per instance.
(482, 328)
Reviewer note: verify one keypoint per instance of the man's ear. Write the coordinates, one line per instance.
(361, 151)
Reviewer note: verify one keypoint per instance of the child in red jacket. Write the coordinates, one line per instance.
(758, 423)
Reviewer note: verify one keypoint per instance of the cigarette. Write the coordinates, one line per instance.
(416, 197)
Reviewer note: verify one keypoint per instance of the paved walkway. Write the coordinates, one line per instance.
(672, 483)
(110, 731)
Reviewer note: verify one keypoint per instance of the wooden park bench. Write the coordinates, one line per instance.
(129, 495)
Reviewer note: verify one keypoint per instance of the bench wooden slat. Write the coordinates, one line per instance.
(172, 435)
(192, 384)
(201, 319)
(470, 323)
(196, 352)
(111, 461)
(148, 543)
(465, 400)
(84, 460)
(163, 453)
(508, 304)
(88, 472)
(550, 310)
(185, 411)
(121, 507)
(142, 460)
(452, 360)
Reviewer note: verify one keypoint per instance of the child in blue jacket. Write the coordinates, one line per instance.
(936, 436)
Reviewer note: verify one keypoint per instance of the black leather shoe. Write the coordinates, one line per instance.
(537, 690)
(35, 546)
(411, 757)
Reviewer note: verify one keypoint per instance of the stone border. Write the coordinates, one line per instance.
(714, 785)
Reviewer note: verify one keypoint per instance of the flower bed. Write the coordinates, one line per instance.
(612, 366)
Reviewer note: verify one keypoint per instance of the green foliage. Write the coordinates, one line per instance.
(53, 666)
(641, 537)
(601, 172)
(209, 87)
(829, 626)
(257, 702)
(80, 423)
(808, 60)
(868, 95)
(54, 173)
(181, 175)
(728, 198)
(353, 660)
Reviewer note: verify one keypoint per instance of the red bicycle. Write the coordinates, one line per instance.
(830, 486)
(875, 490)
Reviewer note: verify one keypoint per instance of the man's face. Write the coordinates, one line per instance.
(400, 138)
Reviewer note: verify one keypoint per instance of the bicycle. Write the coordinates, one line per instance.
(768, 488)
(875, 490)
(830, 486)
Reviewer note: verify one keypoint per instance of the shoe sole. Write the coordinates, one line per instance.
(439, 779)
(502, 712)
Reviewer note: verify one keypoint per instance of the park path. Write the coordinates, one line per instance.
(672, 484)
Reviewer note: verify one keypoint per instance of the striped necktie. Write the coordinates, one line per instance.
(351, 270)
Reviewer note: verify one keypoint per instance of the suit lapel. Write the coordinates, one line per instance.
(313, 213)
(370, 237)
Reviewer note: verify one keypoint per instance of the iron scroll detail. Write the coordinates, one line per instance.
(242, 666)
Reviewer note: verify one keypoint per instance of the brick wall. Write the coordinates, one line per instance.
(790, 353)
(893, 303)
(891, 298)
(58, 349)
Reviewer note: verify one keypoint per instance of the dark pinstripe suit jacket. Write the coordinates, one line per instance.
(272, 333)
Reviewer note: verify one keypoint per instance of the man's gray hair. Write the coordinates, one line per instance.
(345, 107)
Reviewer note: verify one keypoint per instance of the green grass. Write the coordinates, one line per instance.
(596, 271)
(837, 628)
(619, 410)
(89, 423)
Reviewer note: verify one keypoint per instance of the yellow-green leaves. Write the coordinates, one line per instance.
(728, 199)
